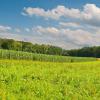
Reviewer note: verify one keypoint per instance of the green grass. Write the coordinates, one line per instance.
(19, 55)
(27, 80)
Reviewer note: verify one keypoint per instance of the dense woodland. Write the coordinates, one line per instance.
(11, 44)
(86, 52)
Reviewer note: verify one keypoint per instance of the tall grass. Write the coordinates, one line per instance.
(19, 55)
(28, 80)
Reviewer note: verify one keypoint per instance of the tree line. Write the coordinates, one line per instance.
(11, 44)
(85, 52)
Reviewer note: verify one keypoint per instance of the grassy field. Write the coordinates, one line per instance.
(27, 80)
(19, 55)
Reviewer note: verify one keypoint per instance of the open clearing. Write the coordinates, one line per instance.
(27, 80)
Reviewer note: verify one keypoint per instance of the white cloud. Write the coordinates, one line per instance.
(46, 31)
(70, 24)
(17, 30)
(89, 15)
(55, 13)
(67, 37)
(5, 28)
(27, 29)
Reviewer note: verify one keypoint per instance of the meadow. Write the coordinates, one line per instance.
(28, 80)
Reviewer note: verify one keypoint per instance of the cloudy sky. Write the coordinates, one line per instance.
(65, 23)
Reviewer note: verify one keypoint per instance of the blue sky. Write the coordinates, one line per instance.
(65, 23)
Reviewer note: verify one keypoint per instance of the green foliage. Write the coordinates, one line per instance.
(11, 44)
(19, 55)
(28, 80)
(85, 52)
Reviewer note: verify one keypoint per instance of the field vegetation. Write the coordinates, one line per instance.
(19, 55)
(28, 80)
(40, 72)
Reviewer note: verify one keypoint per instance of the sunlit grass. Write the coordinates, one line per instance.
(27, 80)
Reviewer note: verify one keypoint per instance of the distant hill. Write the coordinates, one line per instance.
(11, 44)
